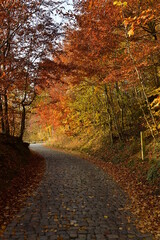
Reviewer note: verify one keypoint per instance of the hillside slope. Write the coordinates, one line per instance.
(20, 172)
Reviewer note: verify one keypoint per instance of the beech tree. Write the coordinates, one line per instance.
(27, 33)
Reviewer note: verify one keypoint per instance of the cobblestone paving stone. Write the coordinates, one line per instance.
(75, 200)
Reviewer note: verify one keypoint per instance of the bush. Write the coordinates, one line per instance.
(154, 172)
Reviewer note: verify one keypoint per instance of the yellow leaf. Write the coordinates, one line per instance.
(131, 32)
(91, 196)
(115, 3)
(125, 4)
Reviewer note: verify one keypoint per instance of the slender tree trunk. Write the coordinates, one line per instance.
(2, 116)
(23, 121)
(114, 117)
(110, 129)
(7, 131)
(145, 117)
(140, 80)
(156, 77)
(121, 106)
(13, 125)
(110, 125)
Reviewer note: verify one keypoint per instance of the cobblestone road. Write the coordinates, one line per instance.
(75, 200)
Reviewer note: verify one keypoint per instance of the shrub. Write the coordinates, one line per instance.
(154, 172)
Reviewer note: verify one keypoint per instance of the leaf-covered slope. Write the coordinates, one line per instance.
(20, 173)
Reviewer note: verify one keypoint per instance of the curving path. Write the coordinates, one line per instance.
(76, 200)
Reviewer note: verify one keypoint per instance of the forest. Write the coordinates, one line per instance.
(105, 79)
(100, 90)
(89, 84)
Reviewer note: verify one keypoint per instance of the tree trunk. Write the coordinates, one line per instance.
(23, 121)
(13, 125)
(140, 80)
(1, 116)
(145, 117)
(155, 70)
(6, 114)
(110, 125)
(121, 107)
(114, 116)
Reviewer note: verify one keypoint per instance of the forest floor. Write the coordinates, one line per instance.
(139, 179)
(20, 173)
